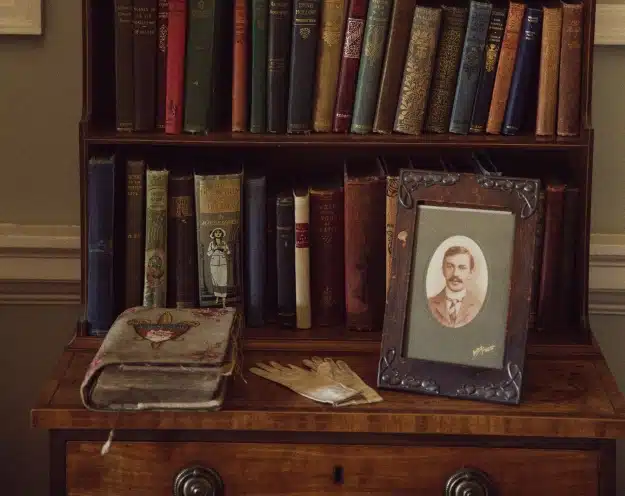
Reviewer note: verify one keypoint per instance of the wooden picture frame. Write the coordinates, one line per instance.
(448, 223)
(21, 17)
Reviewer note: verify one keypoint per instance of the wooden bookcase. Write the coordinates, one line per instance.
(561, 439)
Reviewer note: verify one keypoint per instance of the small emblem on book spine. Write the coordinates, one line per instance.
(301, 235)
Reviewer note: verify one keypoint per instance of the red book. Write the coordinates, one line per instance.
(176, 34)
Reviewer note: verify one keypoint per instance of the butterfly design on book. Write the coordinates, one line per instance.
(164, 329)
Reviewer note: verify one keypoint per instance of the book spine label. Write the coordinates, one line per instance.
(453, 28)
(489, 67)
(328, 63)
(368, 82)
(239, 67)
(176, 35)
(198, 97)
(255, 250)
(155, 265)
(285, 259)
(124, 66)
(258, 91)
(570, 78)
(145, 55)
(100, 214)
(470, 65)
(304, 38)
(415, 85)
(218, 214)
(527, 62)
(393, 66)
(181, 247)
(278, 57)
(162, 26)
(548, 74)
(350, 62)
(327, 285)
(135, 232)
(303, 317)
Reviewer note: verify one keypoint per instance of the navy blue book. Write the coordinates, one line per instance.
(100, 214)
(525, 76)
(255, 249)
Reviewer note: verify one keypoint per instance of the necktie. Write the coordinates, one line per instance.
(453, 309)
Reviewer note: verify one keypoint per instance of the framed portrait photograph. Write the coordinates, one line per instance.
(462, 271)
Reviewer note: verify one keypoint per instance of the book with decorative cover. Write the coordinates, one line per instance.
(163, 358)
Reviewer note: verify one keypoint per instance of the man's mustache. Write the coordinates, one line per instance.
(454, 279)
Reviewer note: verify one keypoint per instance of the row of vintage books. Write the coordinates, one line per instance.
(199, 239)
(344, 66)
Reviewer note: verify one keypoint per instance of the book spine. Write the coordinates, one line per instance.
(199, 67)
(350, 62)
(255, 250)
(304, 36)
(548, 74)
(218, 218)
(144, 56)
(453, 27)
(135, 232)
(303, 316)
(162, 26)
(527, 62)
(278, 57)
(239, 67)
(393, 66)
(155, 265)
(124, 66)
(327, 245)
(271, 284)
(181, 243)
(100, 214)
(176, 35)
(328, 63)
(485, 85)
(258, 92)
(415, 86)
(505, 67)
(368, 81)
(285, 259)
(570, 78)
(470, 65)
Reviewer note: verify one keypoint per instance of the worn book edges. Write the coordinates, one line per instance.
(163, 358)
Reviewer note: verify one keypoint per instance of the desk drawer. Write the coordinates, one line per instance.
(260, 469)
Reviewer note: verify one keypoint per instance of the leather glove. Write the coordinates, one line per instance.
(307, 383)
(341, 372)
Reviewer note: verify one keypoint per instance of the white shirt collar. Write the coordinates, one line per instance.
(455, 295)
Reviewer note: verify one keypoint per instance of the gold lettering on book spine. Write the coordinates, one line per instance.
(155, 269)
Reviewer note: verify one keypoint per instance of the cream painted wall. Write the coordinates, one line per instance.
(40, 86)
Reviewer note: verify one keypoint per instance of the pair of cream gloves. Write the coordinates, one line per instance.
(324, 380)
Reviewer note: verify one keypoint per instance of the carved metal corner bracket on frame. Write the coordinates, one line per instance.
(526, 189)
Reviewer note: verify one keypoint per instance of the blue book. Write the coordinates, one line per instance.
(100, 214)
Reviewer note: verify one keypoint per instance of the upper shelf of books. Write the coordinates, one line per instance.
(393, 73)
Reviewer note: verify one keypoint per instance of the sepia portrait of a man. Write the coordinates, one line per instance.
(457, 303)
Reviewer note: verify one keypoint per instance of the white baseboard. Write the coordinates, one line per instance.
(41, 265)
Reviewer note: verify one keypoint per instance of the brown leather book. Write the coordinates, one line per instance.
(124, 79)
(182, 282)
(239, 67)
(365, 233)
(549, 68)
(453, 27)
(145, 50)
(570, 70)
(505, 67)
(327, 251)
(547, 309)
(135, 230)
(393, 66)
(350, 63)
(162, 25)
(569, 295)
(328, 63)
(415, 87)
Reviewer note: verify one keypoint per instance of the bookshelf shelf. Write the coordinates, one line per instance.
(319, 140)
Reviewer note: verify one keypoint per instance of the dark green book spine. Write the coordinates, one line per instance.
(258, 116)
(198, 101)
(369, 72)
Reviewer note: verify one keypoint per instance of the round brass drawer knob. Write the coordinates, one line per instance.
(198, 481)
(469, 482)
